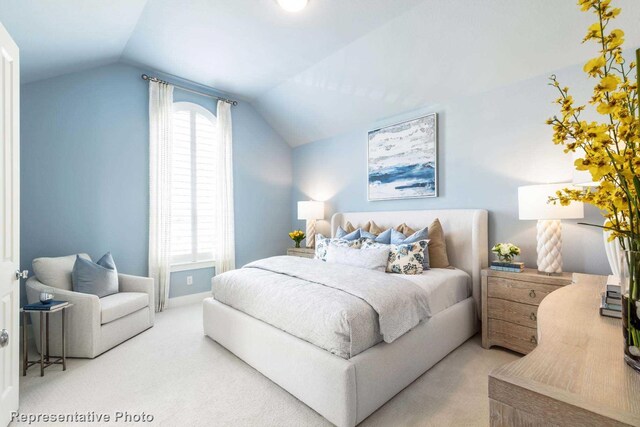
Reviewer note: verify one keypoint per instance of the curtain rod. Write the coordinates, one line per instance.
(155, 79)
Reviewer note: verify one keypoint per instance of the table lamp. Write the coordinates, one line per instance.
(311, 211)
(533, 204)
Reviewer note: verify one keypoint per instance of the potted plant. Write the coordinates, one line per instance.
(609, 149)
(297, 236)
(506, 251)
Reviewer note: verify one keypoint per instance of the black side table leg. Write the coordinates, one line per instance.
(64, 342)
(47, 323)
(25, 355)
(42, 343)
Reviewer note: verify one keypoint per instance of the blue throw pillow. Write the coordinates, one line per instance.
(398, 238)
(342, 234)
(367, 235)
(385, 236)
(99, 278)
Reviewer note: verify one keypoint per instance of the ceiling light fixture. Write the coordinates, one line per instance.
(293, 5)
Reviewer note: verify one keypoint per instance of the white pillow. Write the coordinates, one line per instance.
(322, 243)
(372, 259)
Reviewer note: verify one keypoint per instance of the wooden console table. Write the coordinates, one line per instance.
(576, 376)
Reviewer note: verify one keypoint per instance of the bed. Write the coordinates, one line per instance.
(347, 386)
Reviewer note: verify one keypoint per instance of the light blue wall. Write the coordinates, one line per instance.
(201, 282)
(84, 173)
(488, 146)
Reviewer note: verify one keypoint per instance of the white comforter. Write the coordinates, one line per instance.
(342, 309)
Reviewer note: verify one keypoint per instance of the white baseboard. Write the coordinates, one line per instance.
(187, 299)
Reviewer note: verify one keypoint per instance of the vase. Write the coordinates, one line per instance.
(297, 244)
(614, 251)
(630, 292)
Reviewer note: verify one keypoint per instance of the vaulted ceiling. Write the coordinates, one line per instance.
(336, 65)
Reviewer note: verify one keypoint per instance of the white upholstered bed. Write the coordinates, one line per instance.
(346, 391)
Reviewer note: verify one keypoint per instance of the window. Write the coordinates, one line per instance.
(194, 136)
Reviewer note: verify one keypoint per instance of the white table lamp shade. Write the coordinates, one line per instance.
(533, 204)
(310, 210)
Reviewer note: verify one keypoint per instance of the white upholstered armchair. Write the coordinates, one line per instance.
(93, 325)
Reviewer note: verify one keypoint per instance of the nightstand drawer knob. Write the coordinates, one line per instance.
(533, 339)
(533, 317)
(532, 293)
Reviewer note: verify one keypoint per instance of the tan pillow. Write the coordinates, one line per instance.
(405, 229)
(373, 228)
(349, 228)
(437, 246)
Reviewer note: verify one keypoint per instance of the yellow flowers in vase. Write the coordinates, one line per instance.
(297, 236)
(609, 150)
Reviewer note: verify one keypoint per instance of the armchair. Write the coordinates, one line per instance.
(94, 325)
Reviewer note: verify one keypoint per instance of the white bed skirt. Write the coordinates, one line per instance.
(345, 392)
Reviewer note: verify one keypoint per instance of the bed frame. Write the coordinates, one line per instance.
(343, 391)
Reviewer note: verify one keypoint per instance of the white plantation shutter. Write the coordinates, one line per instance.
(192, 205)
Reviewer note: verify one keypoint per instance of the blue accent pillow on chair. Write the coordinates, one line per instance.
(97, 278)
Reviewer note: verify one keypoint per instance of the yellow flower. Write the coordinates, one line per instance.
(593, 67)
(594, 31)
(609, 83)
(615, 39)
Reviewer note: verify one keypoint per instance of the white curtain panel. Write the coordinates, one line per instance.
(160, 135)
(224, 224)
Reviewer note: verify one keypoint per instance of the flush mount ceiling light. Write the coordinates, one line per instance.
(293, 5)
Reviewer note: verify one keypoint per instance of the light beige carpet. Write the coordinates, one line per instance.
(182, 378)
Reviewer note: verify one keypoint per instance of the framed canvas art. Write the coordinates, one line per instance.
(403, 160)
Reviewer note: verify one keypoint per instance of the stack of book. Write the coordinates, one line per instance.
(611, 304)
(514, 267)
(45, 307)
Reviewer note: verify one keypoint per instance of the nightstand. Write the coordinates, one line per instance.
(510, 306)
(302, 252)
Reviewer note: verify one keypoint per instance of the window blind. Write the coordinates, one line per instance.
(192, 197)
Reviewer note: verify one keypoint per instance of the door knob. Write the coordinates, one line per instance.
(4, 338)
(22, 274)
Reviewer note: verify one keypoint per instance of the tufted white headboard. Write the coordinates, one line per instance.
(466, 234)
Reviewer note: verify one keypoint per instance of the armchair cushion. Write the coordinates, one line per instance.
(56, 272)
(118, 305)
(99, 278)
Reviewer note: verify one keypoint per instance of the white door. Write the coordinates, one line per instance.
(9, 225)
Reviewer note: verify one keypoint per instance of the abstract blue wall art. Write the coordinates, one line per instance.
(403, 160)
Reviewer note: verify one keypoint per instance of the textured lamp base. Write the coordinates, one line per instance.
(549, 234)
(311, 233)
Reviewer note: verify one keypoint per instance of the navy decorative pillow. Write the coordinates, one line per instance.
(97, 278)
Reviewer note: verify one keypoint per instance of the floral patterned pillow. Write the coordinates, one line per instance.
(406, 258)
(322, 243)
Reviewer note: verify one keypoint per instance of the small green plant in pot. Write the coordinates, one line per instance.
(506, 252)
(297, 236)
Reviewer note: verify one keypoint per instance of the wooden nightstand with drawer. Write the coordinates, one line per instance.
(302, 252)
(510, 306)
